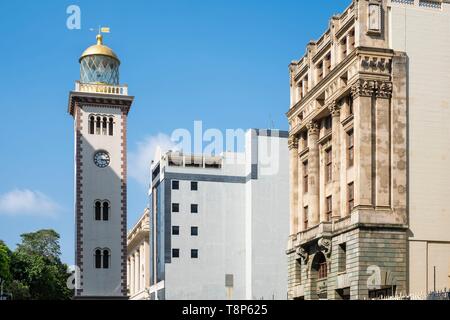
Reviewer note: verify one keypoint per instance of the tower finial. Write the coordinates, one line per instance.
(99, 39)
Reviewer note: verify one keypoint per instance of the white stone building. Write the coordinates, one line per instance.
(219, 224)
(138, 263)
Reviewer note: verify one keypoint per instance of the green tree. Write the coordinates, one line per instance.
(37, 270)
(5, 261)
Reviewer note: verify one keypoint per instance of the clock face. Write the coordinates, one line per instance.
(101, 159)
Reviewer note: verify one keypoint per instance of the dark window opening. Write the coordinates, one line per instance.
(175, 230)
(105, 124)
(350, 197)
(305, 177)
(175, 207)
(98, 259)
(91, 125)
(194, 253)
(105, 259)
(329, 208)
(105, 211)
(175, 185)
(98, 210)
(194, 185)
(194, 231)
(329, 166)
(194, 208)
(350, 148)
(111, 126)
(175, 253)
(97, 125)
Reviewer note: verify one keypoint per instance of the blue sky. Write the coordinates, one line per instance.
(222, 62)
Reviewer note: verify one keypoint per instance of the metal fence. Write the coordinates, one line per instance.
(434, 295)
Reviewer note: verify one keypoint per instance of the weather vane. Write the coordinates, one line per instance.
(101, 29)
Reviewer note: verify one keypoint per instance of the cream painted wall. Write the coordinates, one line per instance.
(424, 34)
(101, 184)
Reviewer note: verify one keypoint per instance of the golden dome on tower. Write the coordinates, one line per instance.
(99, 49)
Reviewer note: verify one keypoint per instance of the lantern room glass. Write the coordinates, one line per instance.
(99, 69)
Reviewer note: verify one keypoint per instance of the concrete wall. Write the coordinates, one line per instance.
(243, 222)
(423, 33)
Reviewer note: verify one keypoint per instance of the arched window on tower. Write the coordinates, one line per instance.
(98, 124)
(105, 124)
(106, 257)
(98, 258)
(98, 208)
(91, 124)
(111, 126)
(105, 211)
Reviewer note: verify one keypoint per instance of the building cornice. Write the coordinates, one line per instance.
(110, 100)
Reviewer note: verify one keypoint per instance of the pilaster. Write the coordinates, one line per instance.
(313, 174)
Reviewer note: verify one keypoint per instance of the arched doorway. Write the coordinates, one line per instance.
(319, 276)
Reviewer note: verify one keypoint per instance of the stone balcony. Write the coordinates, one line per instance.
(101, 88)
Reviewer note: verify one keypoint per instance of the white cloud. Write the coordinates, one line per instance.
(140, 159)
(27, 202)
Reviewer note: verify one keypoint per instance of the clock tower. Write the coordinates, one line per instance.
(100, 105)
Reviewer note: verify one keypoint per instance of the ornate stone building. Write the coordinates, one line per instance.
(352, 97)
(138, 263)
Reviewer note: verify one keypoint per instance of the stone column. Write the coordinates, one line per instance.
(344, 167)
(336, 160)
(293, 149)
(136, 272)
(313, 174)
(128, 272)
(147, 263)
(362, 92)
(132, 269)
(141, 273)
(382, 145)
(300, 190)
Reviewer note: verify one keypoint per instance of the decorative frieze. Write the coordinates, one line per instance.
(363, 88)
(313, 127)
(384, 89)
(293, 142)
(334, 109)
(374, 64)
(368, 88)
(302, 254)
(324, 245)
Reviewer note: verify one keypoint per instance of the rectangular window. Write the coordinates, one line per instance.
(194, 208)
(175, 230)
(194, 185)
(305, 139)
(350, 197)
(350, 148)
(194, 231)
(194, 253)
(342, 257)
(305, 177)
(175, 207)
(175, 185)
(328, 165)
(343, 48)
(329, 208)
(328, 123)
(350, 105)
(175, 253)
(305, 218)
(323, 270)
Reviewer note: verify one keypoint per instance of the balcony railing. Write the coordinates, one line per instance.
(101, 88)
